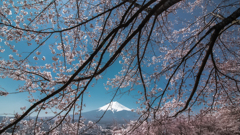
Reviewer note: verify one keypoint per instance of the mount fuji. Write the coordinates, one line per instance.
(114, 106)
(115, 113)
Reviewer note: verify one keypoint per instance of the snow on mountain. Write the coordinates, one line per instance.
(115, 113)
(114, 106)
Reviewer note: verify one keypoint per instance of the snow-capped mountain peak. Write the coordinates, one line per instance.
(114, 106)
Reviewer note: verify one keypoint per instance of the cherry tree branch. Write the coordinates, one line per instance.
(217, 28)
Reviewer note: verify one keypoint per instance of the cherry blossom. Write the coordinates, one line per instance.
(173, 55)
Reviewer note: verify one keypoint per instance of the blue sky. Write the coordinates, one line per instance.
(11, 103)
(99, 96)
